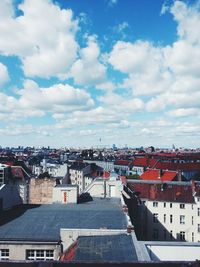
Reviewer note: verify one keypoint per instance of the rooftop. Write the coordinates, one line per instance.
(109, 248)
(152, 174)
(43, 222)
(168, 192)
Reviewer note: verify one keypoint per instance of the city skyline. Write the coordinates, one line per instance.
(96, 73)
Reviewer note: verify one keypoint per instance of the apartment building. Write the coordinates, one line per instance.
(13, 186)
(83, 174)
(123, 167)
(4, 174)
(168, 211)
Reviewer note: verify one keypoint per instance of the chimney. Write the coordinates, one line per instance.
(104, 186)
(160, 174)
(179, 176)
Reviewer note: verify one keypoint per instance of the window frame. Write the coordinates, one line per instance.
(182, 219)
(4, 254)
(39, 254)
(182, 206)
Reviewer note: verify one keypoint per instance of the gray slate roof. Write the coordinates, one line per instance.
(43, 222)
(109, 248)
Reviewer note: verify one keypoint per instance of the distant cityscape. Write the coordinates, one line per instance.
(145, 198)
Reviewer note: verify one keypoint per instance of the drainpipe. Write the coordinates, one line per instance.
(104, 186)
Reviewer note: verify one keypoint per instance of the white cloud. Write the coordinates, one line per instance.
(56, 98)
(45, 44)
(112, 3)
(97, 117)
(188, 19)
(4, 76)
(164, 8)
(143, 63)
(120, 104)
(36, 101)
(168, 76)
(184, 112)
(121, 29)
(106, 86)
(88, 70)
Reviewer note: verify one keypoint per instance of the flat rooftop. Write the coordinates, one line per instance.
(110, 248)
(43, 222)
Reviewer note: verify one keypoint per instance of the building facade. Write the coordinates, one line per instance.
(168, 211)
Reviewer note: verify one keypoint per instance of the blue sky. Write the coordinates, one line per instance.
(73, 73)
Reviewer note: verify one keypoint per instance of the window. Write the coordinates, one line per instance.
(192, 237)
(155, 204)
(192, 220)
(164, 218)
(4, 254)
(43, 255)
(171, 218)
(182, 206)
(171, 234)
(155, 234)
(164, 204)
(182, 219)
(170, 205)
(155, 217)
(1, 177)
(198, 228)
(198, 212)
(182, 236)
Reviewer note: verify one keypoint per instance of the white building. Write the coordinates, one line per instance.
(4, 173)
(53, 169)
(170, 212)
(83, 174)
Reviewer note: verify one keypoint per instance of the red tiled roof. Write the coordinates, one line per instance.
(169, 176)
(122, 162)
(159, 164)
(140, 162)
(163, 192)
(156, 175)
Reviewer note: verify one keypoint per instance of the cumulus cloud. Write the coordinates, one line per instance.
(88, 70)
(4, 76)
(121, 104)
(58, 97)
(36, 101)
(46, 44)
(167, 76)
(143, 62)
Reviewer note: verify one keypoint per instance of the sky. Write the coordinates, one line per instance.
(93, 73)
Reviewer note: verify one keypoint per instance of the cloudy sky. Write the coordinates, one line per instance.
(88, 73)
